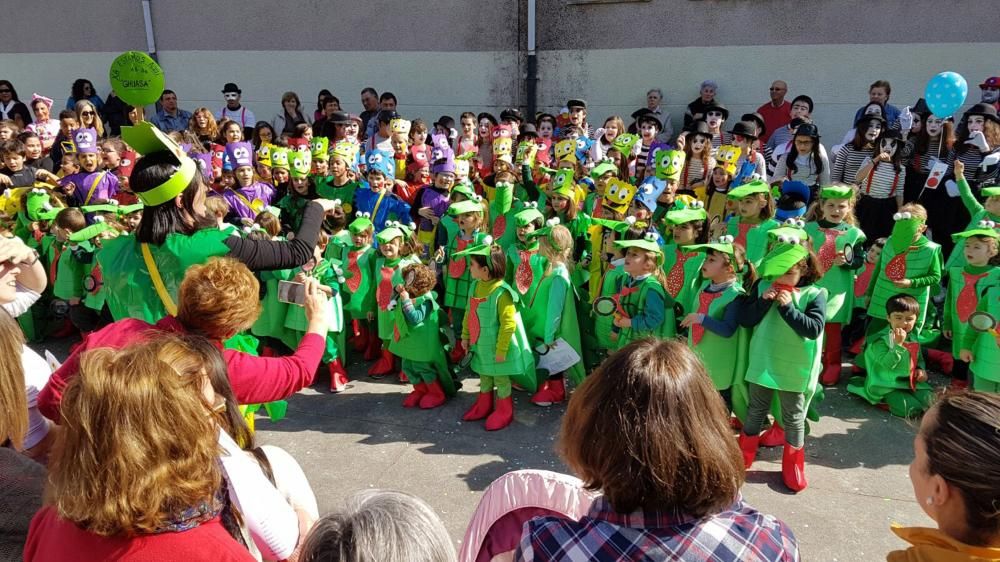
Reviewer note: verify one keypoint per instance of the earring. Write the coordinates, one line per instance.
(929, 501)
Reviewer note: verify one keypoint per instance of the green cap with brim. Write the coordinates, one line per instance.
(747, 189)
(528, 215)
(360, 225)
(90, 232)
(602, 168)
(780, 259)
(146, 139)
(836, 192)
(686, 215)
(990, 191)
(467, 206)
(617, 226)
(464, 188)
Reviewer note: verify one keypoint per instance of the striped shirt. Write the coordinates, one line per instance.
(922, 162)
(847, 162)
(883, 182)
(976, 176)
(739, 533)
(696, 172)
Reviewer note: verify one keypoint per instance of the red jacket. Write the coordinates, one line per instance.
(255, 380)
(55, 539)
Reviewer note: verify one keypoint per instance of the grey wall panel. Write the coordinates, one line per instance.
(62, 26)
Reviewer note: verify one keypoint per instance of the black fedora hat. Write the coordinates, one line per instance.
(716, 106)
(985, 109)
(865, 117)
(511, 114)
(745, 129)
(758, 119)
(699, 127)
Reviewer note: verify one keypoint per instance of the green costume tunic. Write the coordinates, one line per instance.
(985, 366)
(633, 301)
(360, 285)
(71, 271)
(388, 274)
(130, 292)
(326, 190)
(421, 343)
(890, 367)
(753, 237)
(920, 263)
(683, 272)
(292, 207)
(838, 280)
(271, 322)
(725, 358)
(604, 325)
(525, 267)
(483, 318)
(781, 359)
(295, 317)
(553, 308)
(965, 286)
(977, 212)
(457, 274)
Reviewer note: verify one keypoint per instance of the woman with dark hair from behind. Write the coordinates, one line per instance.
(648, 430)
(956, 480)
(379, 526)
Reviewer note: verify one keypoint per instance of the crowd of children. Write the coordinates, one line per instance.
(510, 250)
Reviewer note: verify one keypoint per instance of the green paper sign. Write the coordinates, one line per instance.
(136, 78)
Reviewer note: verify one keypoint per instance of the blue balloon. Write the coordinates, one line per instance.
(945, 93)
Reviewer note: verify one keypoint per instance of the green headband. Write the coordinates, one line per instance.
(756, 186)
(836, 192)
(146, 139)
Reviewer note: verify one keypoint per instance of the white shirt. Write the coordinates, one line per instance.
(243, 116)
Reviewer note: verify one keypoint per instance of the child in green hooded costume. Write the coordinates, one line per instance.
(967, 285)
(644, 308)
(399, 248)
(787, 312)
(494, 333)
(754, 209)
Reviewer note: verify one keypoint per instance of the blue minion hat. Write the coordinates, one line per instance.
(381, 161)
(648, 191)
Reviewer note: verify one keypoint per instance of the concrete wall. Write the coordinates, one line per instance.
(450, 55)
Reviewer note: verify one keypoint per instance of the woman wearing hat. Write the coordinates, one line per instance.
(142, 272)
(698, 162)
(808, 163)
(744, 136)
(978, 146)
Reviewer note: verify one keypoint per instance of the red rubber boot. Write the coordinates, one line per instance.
(481, 409)
(412, 400)
(502, 415)
(374, 350)
(359, 336)
(793, 468)
(773, 436)
(385, 365)
(831, 356)
(338, 376)
(458, 353)
(435, 396)
(552, 392)
(748, 447)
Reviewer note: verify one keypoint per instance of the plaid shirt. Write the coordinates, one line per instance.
(740, 533)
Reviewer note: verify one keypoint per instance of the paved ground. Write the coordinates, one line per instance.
(857, 460)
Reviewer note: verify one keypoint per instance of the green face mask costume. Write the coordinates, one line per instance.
(669, 164)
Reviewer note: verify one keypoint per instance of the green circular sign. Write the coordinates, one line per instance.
(136, 78)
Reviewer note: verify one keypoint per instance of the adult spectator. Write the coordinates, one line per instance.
(956, 480)
(879, 93)
(216, 300)
(577, 117)
(990, 91)
(322, 126)
(136, 473)
(88, 117)
(654, 102)
(44, 125)
(369, 100)
(696, 109)
(321, 98)
(81, 90)
(290, 116)
(386, 104)
(778, 142)
(234, 110)
(649, 430)
(115, 114)
(380, 525)
(170, 117)
(11, 108)
(777, 111)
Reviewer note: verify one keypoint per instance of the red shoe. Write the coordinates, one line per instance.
(359, 337)
(435, 396)
(386, 364)
(793, 468)
(481, 409)
(552, 392)
(855, 348)
(502, 415)
(458, 353)
(374, 349)
(774, 436)
(748, 447)
(338, 376)
(830, 375)
(412, 400)
(403, 379)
